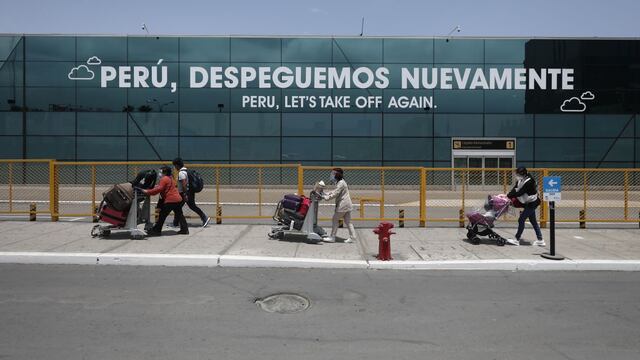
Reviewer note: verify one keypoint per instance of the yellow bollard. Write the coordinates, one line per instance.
(583, 224)
(32, 212)
(95, 214)
(401, 216)
(340, 223)
(461, 218)
(219, 215)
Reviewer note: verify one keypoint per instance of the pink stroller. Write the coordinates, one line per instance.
(481, 221)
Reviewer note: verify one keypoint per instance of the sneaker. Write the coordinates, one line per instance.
(348, 241)
(204, 225)
(183, 232)
(513, 242)
(329, 239)
(154, 233)
(539, 243)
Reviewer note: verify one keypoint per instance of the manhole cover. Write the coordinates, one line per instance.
(283, 303)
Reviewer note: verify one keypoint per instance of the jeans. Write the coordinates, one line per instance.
(528, 213)
(191, 202)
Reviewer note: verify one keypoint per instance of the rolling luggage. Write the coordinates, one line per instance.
(290, 204)
(293, 197)
(304, 206)
(113, 216)
(119, 197)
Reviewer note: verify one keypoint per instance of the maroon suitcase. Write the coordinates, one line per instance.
(113, 216)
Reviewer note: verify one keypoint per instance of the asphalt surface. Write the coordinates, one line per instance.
(111, 312)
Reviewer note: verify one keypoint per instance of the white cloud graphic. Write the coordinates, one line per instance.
(94, 60)
(81, 72)
(573, 105)
(587, 95)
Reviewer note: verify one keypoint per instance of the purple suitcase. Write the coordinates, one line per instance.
(293, 197)
(290, 204)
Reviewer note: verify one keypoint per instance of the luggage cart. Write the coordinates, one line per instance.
(138, 214)
(309, 231)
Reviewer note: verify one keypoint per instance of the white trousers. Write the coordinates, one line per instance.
(347, 222)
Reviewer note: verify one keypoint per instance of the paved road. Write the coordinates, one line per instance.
(75, 312)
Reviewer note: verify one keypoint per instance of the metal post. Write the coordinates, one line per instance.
(551, 255)
(461, 212)
(11, 187)
(259, 191)
(543, 206)
(218, 207)
(32, 212)
(626, 195)
(300, 180)
(93, 193)
(53, 190)
(423, 197)
(584, 196)
(401, 216)
(382, 195)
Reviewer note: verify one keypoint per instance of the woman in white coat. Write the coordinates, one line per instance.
(343, 206)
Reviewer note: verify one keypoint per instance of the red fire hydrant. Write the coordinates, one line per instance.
(384, 237)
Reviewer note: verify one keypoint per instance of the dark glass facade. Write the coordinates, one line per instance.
(49, 108)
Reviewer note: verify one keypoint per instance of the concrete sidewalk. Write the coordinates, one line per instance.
(248, 246)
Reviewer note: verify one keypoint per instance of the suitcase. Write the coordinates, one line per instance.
(119, 197)
(304, 206)
(293, 197)
(290, 204)
(113, 216)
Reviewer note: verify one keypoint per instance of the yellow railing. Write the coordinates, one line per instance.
(417, 195)
(26, 187)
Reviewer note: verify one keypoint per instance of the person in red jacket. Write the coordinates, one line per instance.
(171, 201)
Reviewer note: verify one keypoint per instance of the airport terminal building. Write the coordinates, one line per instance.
(371, 101)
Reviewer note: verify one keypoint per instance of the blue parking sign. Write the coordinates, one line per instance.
(552, 188)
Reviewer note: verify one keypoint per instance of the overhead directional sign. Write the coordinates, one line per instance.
(552, 188)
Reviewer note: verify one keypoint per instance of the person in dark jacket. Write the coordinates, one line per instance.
(525, 191)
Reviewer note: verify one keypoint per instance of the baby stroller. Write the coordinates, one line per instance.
(481, 221)
(121, 209)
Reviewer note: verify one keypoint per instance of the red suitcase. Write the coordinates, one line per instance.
(113, 216)
(304, 206)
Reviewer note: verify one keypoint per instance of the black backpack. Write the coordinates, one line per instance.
(195, 181)
(145, 179)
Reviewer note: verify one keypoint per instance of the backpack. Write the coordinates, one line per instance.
(145, 179)
(195, 181)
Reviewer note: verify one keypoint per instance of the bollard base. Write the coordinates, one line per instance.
(552, 257)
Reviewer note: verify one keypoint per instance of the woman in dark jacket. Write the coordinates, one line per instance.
(525, 191)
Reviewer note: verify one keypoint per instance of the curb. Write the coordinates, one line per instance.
(48, 258)
(239, 261)
(511, 265)
(284, 262)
